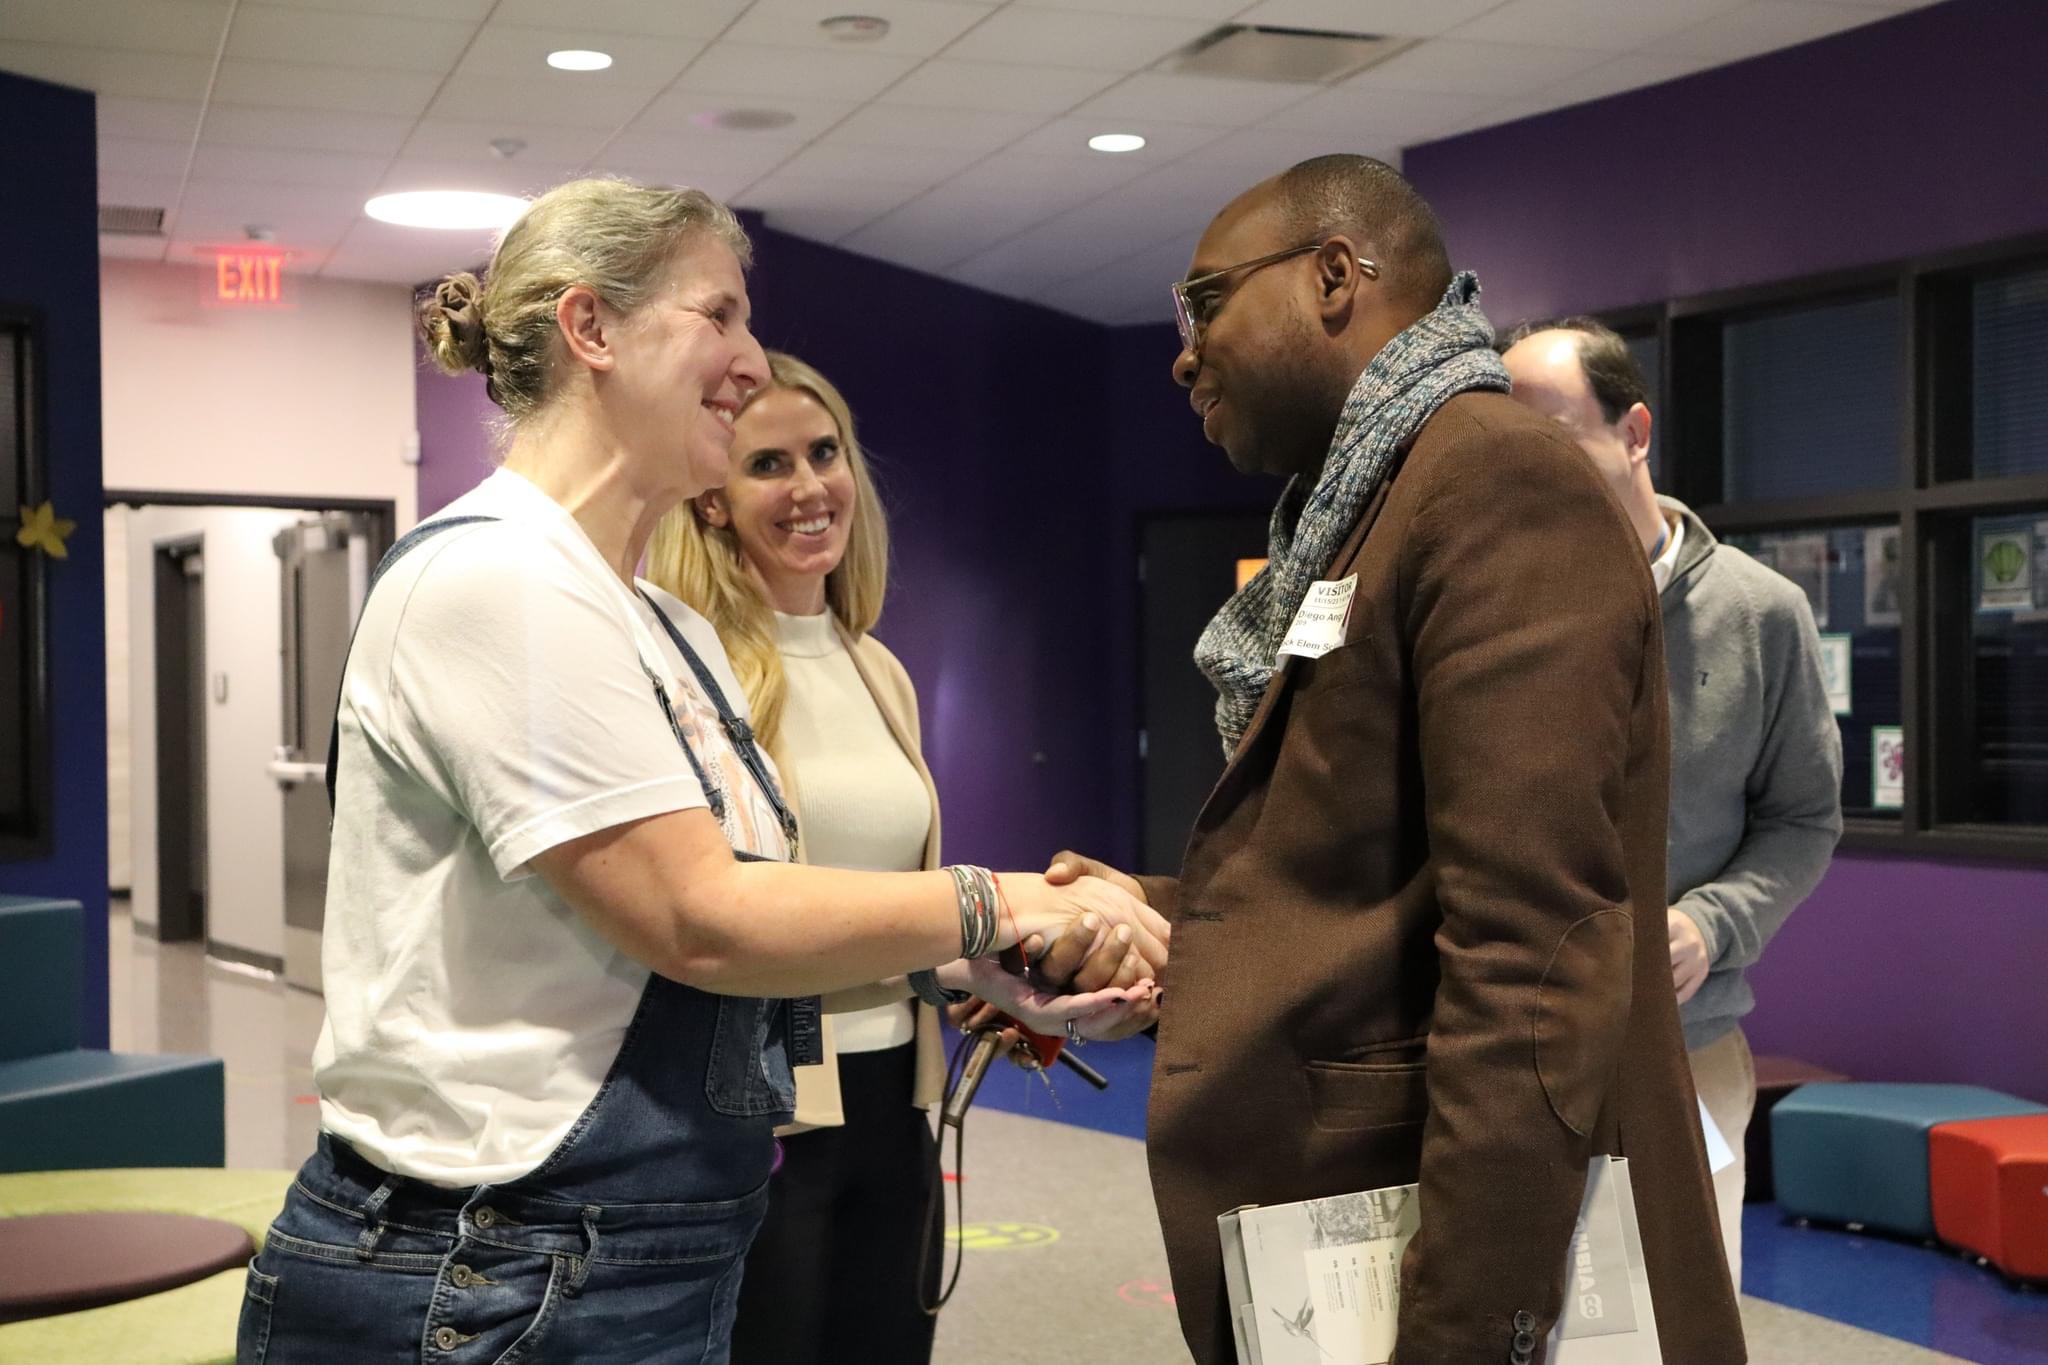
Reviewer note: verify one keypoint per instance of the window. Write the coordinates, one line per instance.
(24, 757)
(2009, 374)
(1812, 400)
(1851, 578)
(1881, 438)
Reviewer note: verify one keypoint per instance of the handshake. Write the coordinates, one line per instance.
(1088, 960)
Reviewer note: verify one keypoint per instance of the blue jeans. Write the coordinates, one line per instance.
(488, 1276)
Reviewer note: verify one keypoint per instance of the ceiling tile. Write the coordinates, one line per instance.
(146, 189)
(1194, 99)
(447, 139)
(720, 182)
(1410, 18)
(192, 27)
(1163, 141)
(148, 120)
(120, 246)
(823, 210)
(1106, 42)
(1057, 182)
(379, 251)
(698, 158)
(685, 111)
(639, 63)
(1631, 72)
(967, 129)
(948, 84)
(294, 166)
(945, 226)
(289, 85)
(765, 74)
(1763, 27)
(126, 157)
(1601, 24)
(1214, 11)
(1383, 118)
(382, 42)
(917, 28)
(243, 125)
(703, 19)
(1451, 65)
(223, 208)
(468, 11)
(912, 166)
(139, 75)
(549, 96)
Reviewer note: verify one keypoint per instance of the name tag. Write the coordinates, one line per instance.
(1318, 627)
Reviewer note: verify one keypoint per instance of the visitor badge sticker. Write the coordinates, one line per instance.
(1319, 626)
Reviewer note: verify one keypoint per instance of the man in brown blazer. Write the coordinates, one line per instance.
(1419, 931)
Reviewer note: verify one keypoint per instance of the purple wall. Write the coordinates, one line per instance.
(454, 420)
(49, 261)
(1916, 135)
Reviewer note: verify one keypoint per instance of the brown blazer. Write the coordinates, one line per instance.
(818, 1100)
(1420, 928)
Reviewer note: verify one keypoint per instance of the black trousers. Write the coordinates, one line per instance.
(832, 1278)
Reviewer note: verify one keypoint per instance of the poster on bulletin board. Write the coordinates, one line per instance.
(1887, 767)
(2005, 568)
(1835, 660)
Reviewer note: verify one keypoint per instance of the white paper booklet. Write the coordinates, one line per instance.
(1319, 1282)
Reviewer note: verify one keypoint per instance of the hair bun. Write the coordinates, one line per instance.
(457, 308)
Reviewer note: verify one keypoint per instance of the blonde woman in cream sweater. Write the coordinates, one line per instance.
(789, 561)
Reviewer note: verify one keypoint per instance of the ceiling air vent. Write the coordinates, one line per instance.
(1260, 52)
(131, 221)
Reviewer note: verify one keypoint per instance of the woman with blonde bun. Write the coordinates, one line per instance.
(569, 961)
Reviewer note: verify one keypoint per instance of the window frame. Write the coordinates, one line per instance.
(1933, 496)
(29, 839)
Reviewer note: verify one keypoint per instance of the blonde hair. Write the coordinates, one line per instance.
(616, 236)
(703, 565)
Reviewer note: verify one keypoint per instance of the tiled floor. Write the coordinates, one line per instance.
(1817, 1296)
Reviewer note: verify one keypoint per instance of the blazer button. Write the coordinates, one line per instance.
(1525, 1342)
(1525, 1321)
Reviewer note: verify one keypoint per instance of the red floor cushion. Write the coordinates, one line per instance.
(1990, 1186)
(62, 1262)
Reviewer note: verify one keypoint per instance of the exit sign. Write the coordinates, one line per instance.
(244, 279)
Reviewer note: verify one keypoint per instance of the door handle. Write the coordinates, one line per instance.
(290, 774)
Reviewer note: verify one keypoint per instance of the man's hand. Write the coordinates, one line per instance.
(1068, 865)
(1689, 962)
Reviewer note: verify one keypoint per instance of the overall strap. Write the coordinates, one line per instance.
(736, 728)
(405, 545)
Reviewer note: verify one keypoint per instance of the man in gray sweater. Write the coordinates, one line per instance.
(1756, 755)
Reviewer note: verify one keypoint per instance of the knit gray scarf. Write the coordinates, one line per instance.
(1445, 353)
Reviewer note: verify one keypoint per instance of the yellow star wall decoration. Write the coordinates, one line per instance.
(42, 529)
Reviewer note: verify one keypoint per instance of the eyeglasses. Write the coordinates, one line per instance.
(1196, 302)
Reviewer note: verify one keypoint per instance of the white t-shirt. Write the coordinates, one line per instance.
(495, 705)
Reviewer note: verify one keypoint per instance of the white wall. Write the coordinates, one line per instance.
(314, 400)
(244, 810)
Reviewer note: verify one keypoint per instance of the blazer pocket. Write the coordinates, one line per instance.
(1347, 1097)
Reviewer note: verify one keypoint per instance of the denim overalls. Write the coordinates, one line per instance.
(625, 1245)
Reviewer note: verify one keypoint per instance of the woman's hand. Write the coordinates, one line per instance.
(1040, 1011)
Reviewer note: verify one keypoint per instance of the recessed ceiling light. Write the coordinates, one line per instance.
(1116, 142)
(579, 59)
(446, 209)
(855, 28)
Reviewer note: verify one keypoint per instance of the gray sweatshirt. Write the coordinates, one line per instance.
(1756, 762)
